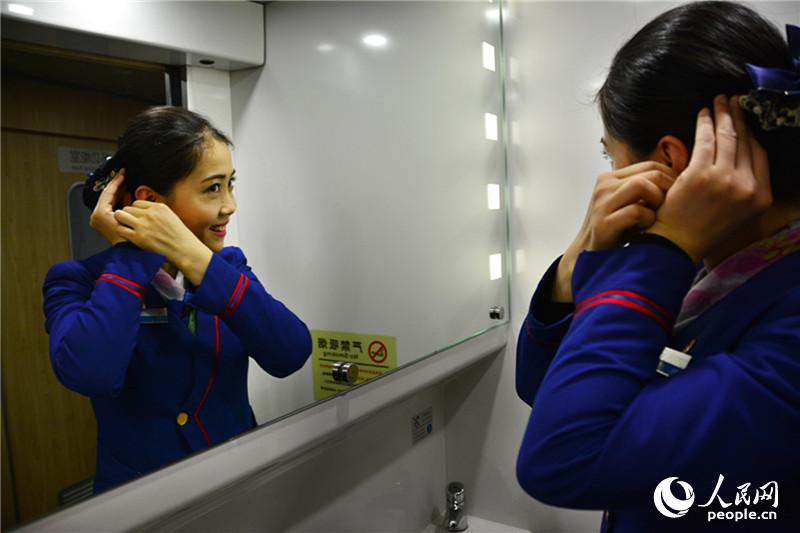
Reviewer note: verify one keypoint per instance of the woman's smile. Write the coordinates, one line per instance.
(219, 230)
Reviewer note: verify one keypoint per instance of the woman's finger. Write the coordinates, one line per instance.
(143, 204)
(126, 232)
(751, 156)
(135, 211)
(633, 190)
(109, 192)
(125, 218)
(644, 166)
(630, 217)
(725, 134)
(703, 152)
(662, 180)
(743, 158)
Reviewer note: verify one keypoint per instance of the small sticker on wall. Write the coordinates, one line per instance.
(421, 425)
(80, 160)
(372, 355)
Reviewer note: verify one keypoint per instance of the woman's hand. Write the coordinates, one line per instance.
(623, 200)
(102, 219)
(725, 185)
(154, 227)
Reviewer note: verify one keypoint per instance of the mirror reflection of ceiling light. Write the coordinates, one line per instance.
(495, 266)
(493, 195)
(19, 9)
(490, 126)
(375, 40)
(493, 15)
(325, 47)
(488, 56)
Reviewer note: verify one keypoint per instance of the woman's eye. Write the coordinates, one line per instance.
(606, 156)
(230, 183)
(214, 188)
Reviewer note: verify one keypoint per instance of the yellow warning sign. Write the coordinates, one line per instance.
(341, 360)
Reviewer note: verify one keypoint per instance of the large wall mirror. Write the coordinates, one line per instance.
(370, 169)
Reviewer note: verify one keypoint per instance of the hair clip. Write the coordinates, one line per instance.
(773, 110)
(99, 185)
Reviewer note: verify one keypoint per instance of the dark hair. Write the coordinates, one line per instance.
(674, 66)
(160, 146)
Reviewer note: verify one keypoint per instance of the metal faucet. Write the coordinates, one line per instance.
(456, 517)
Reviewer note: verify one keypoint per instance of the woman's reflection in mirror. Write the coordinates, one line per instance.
(157, 329)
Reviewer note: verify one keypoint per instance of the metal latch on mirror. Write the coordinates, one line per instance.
(345, 372)
(497, 312)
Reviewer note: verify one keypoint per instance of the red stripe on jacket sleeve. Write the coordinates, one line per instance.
(239, 298)
(224, 312)
(122, 285)
(630, 305)
(126, 280)
(630, 294)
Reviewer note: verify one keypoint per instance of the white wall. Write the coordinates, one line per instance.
(560, 51)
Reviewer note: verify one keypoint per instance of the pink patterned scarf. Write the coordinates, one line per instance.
(710, 287)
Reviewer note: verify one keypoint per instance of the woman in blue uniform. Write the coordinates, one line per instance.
(157, 330)
(661, 352)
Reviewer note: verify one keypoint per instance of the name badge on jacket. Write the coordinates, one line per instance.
(672, 361)
(153, 315)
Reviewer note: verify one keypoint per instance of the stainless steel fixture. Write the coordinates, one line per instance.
(456, 517)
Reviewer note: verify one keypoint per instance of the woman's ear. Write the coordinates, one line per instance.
(672, 152)
(143, 192)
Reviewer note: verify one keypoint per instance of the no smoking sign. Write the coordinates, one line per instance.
(377, 352)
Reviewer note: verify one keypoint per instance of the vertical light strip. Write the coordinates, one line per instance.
(495, 266)
(493, 195)
(490, 126)
(488, 56)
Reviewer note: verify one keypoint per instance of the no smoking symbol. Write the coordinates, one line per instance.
(377, 351)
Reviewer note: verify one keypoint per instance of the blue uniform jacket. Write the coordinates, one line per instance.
(605, 428)
(160, 393)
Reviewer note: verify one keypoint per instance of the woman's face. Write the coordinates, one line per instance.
(204, 200)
